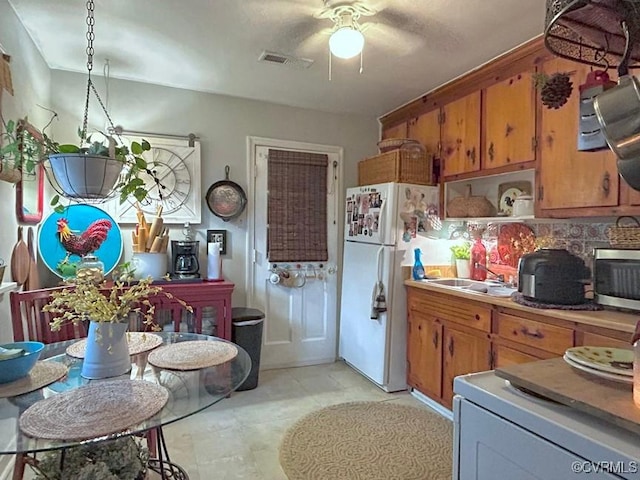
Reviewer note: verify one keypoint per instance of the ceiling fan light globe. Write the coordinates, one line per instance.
(346, 42)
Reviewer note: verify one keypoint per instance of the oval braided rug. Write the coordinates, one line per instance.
(369, 441)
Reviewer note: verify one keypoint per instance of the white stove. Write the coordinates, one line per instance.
(501, 432)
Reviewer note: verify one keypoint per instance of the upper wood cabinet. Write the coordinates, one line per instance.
(426, 130)
(569, 178)
(509, 117)
(460, 132)
(398, 131)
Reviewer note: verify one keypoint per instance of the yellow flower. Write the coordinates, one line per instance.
(87, 301)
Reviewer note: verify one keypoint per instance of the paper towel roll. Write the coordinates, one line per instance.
(214, 261)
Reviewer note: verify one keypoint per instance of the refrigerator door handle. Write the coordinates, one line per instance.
(379, 263)
(382, 224)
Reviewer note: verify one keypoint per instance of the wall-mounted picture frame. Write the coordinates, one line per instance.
(219, 236)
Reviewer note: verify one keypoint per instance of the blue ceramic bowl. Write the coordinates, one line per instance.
(18, 367)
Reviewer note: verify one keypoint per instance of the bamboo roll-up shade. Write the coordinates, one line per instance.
(297, 206)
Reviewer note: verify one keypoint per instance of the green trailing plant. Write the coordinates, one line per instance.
(120, 459)
(461, 251)
(133, 163)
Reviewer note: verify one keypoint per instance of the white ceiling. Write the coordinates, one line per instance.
(412, 46)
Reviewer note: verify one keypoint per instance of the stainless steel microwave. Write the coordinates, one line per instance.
(616, 278)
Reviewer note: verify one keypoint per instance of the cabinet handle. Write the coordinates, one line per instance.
(435, 339)
(540, 193)
(491, 151)
(525, 331)
(451, 346)
(473, 155)
(606, 183)
(477, 316)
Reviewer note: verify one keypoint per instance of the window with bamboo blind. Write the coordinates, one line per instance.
(297, 206)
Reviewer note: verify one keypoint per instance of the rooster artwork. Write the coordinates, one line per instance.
(88, 241)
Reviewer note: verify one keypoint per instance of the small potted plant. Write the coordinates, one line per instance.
(20, 150)
(462, 255)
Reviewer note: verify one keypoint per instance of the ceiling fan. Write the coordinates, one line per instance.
(390, 26)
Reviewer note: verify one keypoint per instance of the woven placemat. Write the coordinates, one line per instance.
(138, 342)
(98, 409)
(192, 355)
(588, 305)
(41, 375)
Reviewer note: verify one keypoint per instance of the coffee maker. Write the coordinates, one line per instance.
(184, 259)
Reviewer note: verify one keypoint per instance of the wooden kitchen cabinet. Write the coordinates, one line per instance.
(424, 353)
(426, 130)
(460, 135)
(397, 131)
(509, 117)
(568, 178)
(446, 338)
(464, 352)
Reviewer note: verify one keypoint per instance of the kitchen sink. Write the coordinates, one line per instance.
(453, 282)
(488, 287)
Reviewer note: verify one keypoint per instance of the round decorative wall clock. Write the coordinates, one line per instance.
(176, 166)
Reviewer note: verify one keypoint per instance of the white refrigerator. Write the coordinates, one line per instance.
(380, 222)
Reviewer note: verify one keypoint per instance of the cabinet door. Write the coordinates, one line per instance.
(510, 122)
(570, 178)
(463, 353)
(424, 354)
(398, 131)
(461, 135)
(426, 130)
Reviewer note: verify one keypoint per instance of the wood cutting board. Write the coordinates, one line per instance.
(20, 260)
(33, 279)
(557, 380)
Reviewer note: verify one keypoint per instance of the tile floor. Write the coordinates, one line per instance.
(239, 437)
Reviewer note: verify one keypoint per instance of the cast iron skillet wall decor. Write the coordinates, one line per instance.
(226, 199)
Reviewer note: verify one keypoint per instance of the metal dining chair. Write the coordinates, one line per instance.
(29, 322)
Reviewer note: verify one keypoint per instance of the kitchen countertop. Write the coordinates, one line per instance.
(612, 319)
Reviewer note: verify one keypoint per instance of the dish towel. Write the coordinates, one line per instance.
(379, 301)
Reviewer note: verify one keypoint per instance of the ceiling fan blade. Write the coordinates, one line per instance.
(315, 44)
(391, 38)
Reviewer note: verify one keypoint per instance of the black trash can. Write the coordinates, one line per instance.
(247, 332)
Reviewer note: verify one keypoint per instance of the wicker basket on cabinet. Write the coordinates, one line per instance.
(408, 164)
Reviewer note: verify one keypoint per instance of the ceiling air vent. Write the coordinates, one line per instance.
(281, 59)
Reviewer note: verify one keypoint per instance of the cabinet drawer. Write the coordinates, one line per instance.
(452, 309)
(594, 339)
(536, 334)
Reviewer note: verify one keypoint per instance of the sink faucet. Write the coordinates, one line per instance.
(499, 276)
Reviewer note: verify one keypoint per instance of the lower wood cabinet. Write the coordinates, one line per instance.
(424, 354)
(445, 339)
(464, 352)
(450, 336)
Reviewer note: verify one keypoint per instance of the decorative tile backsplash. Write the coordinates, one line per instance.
(580, 238)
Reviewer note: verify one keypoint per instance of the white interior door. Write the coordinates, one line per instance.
(301, 321)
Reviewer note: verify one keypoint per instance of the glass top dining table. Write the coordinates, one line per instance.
(189, 392)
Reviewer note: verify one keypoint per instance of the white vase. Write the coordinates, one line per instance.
(107, 353)
(463, 267)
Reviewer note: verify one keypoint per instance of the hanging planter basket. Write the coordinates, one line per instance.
(85, 176)
(9, 174)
